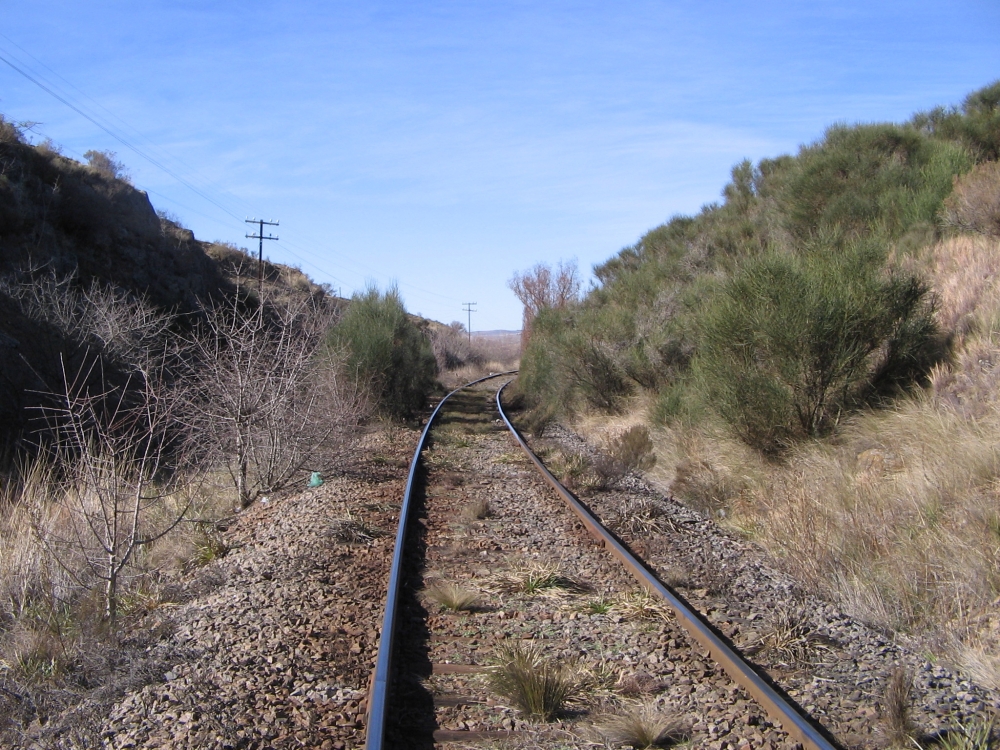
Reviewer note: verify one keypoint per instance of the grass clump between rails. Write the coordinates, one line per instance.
(535, 577)
(453, 597)
(536, 685)
(643, 726)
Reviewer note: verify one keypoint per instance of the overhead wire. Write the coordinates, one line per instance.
(149, 144)
(50, 88)
(119, 138)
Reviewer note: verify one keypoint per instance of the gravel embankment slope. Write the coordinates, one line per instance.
(274, 643)
(835, 667)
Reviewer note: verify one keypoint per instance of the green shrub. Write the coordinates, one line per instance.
(976, 124)
(795, 342)
(669, 404)
(645, 323)
(387, 352)
(869, 177)
(706, 488)
(571, 359)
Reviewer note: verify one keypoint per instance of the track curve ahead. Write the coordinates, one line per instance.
(379, 693)
(777, 706)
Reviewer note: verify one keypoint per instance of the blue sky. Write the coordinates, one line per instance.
(446, 145)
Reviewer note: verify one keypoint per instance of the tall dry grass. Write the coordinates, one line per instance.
(50, 597)
(899, 520)
(899, 517)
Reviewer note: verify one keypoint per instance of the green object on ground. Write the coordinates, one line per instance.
(315, 480)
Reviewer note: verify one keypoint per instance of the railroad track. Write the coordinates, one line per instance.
(493, 554)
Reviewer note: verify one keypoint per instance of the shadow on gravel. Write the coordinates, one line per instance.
(411, 722)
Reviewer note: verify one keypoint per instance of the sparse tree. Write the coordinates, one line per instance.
(108, 320)
(264, 393)
(539, 289)
(106, 164)
(120, 461)
(452, 348)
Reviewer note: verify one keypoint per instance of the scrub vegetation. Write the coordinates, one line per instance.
(816, 358)
(152, 386)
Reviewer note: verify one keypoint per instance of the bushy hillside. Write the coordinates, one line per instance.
(816, 354)
(682, 312)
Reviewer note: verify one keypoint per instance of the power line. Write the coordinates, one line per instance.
(117, 137)
(150, 144)
(50, 88)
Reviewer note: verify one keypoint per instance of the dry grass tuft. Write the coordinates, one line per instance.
(979, 660)
(974, 204)
(641, 516)
(675, 576)
(38, 655)
(897, 723)
(453, 597)
(534, 577)
(788, 638)
(639, 683)
(350, 530)
(641, 605)
(535, 685)
(705, 486)
(477, 510)
(633, 448)
(208, 546)
(574, 470)
(643, 726)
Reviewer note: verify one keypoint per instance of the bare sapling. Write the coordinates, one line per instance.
(119, 463)
(111, 321)
(264, 394)
(540, 289)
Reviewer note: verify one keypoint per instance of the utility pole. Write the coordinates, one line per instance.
(260, 250)
(469, 308)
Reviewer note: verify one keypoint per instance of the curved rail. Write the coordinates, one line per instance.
(776, 705)
(379, 693)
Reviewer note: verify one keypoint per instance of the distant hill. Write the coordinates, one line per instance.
(488, 334)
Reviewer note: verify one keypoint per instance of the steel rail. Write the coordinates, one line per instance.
(378, 695)
(798, 726)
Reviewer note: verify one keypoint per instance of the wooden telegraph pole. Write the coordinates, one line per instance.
(469, 307)
(260, 250)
